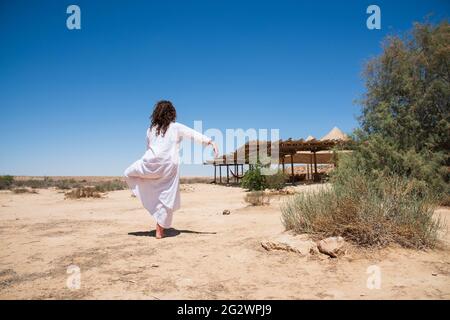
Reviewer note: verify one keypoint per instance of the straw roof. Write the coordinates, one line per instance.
(335, 134)
(302, 149)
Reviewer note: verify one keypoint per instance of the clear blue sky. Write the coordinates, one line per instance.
(77, 102)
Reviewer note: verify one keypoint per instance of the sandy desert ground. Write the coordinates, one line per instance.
(207, 256)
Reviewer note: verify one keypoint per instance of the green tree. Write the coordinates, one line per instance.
(405, 120)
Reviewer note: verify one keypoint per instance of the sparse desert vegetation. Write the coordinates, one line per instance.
(256, 180)
(257, 198)
(100, 184)
(368, 212)
(83, 192)
(387, 189)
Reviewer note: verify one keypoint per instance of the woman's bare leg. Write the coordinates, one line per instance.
(159, 231)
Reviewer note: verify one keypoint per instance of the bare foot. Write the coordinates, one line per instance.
(159, 232)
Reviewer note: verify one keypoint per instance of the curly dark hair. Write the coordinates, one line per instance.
(163, 115)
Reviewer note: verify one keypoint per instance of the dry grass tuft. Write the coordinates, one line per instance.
(83, 192)
(367, 212)
(257, 198)
(23, 190)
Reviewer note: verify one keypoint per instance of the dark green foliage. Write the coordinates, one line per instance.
(6, 182)
(259, 178)
(253, 179)
(405, 121)
(387, 189)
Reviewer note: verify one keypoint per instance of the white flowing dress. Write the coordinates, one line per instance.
(155, 178)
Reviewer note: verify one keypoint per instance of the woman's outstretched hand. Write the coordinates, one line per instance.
(215, 149)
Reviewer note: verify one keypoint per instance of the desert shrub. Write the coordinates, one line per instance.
(6, 182)
(378, 155)
(256, 179)
(387, 189)
(33, 183)
(83, 192)
(276, 180)
(367, 210)
(66, 184)
(445, 200)
(253, 179)
(23, 190)
(111, 185)
(257, 198)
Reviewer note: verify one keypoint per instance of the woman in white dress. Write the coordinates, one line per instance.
(155, 178)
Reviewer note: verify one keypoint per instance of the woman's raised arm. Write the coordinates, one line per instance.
(186, 132)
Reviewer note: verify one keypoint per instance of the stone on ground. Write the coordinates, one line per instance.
(288, 241)
(332, 246)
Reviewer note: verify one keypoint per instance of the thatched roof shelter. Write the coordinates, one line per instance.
(307, 151)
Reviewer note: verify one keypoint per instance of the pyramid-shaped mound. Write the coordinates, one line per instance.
(335, 134)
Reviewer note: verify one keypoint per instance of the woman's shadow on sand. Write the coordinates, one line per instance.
(171, 232)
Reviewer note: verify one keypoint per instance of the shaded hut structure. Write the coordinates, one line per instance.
(309, 153)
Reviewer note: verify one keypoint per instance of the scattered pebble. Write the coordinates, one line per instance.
(226, 212)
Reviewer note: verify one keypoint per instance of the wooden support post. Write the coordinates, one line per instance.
(310, 166)
(316, 176)
(307, 172)
(220, 173)
(282, 163)
(228, 174)
(292, 168)
(215, 173)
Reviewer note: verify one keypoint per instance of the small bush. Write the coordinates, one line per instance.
(66, 184)
(6, 182)
(253, 179)
(23, 190)
(83, 192)
(445, 200)
(111, 185)
(257, 198)
(367, 211)
(276, 181)
(33, 183)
